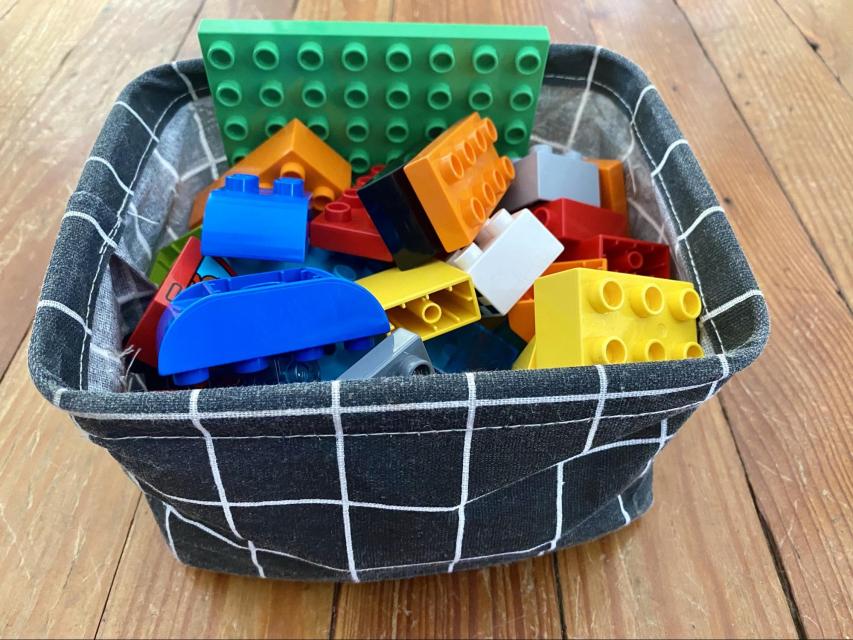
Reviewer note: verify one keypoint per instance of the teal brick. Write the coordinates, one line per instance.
(372, 90)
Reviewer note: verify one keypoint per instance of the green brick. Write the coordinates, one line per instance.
(372, 90)
(166, 257)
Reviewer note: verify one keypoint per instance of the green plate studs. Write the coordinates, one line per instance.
(310, 56)
(265, 55)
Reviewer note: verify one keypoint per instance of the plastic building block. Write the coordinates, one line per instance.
(570, 220)
(459, 179)
(545, 175)
(625, 255)
(166, 257)
(399, 217)
(245, 320)
(293, 151)
(429, 300)
(338, 264)
(521, 315)
(402, 353)
(187, 269)
(472, 348)
(611, 184)
(527, 358)
(344, 226)
(585, 316)
(374, 171)
(371, 89)
(510, 252)
(242, 222)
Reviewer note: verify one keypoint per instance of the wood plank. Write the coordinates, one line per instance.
(799, 113)
(827, 25)
(156, 597)
(790, 411)
(65, 509)
(38, 36)
(513, 601)
(696, 566)
(47, 152)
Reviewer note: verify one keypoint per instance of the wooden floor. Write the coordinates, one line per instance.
(753, 498)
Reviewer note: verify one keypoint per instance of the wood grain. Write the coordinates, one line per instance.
(46, 153)
(155, 597)
(827, 25)
(65, 508)
(689, 568)
(799, 113)
(791, 411)
(513, 601)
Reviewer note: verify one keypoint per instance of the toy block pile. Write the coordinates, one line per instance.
(383, 216)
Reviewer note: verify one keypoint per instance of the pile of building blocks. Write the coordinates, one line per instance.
(424, 239)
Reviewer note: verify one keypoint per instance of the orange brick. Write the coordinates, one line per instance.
(293, 151)
(611, 182)
(521, 316)
(459, 179)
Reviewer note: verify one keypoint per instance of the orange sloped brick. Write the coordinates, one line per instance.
(459, 179)
(293, 151)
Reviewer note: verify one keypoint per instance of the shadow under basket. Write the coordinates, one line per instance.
(396, 477)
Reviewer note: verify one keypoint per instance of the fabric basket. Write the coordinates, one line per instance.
(397, 477)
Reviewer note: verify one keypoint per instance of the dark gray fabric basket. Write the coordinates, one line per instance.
(388, 478)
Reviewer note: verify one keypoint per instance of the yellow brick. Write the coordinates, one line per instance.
(429, 300)
(527, 358)
(586, 316)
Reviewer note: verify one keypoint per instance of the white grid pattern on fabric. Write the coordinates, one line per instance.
(351, 569)
(342, 476)
(466, 468)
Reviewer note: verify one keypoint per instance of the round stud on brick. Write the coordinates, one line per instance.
(354, 56)
(221, 55)
(475, 212)
(274, 123)
(360, 160)
(606, 295)
(487, 194)
(465, 152)
(480, 97)
(355, 94)
(398, 57)
(521, 98)
(442, 58)
(228, 93)
(684, 304)
(434, 128)
(338, 212)
(236, 128)
(608, 350)
(528, 60)
(398, 95)
(265, 55)
(292, 169)
(319, 125)
(310, 56)
(321, 197)
(271, 93)
(646, 300)
(238, 155)
(451, 167)
(357, 129)
(648, 351)
(439, 96)
(691, 350)
(393, 155)
(397, 130)
(484, 58)
(314, 94)
(515, 132)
